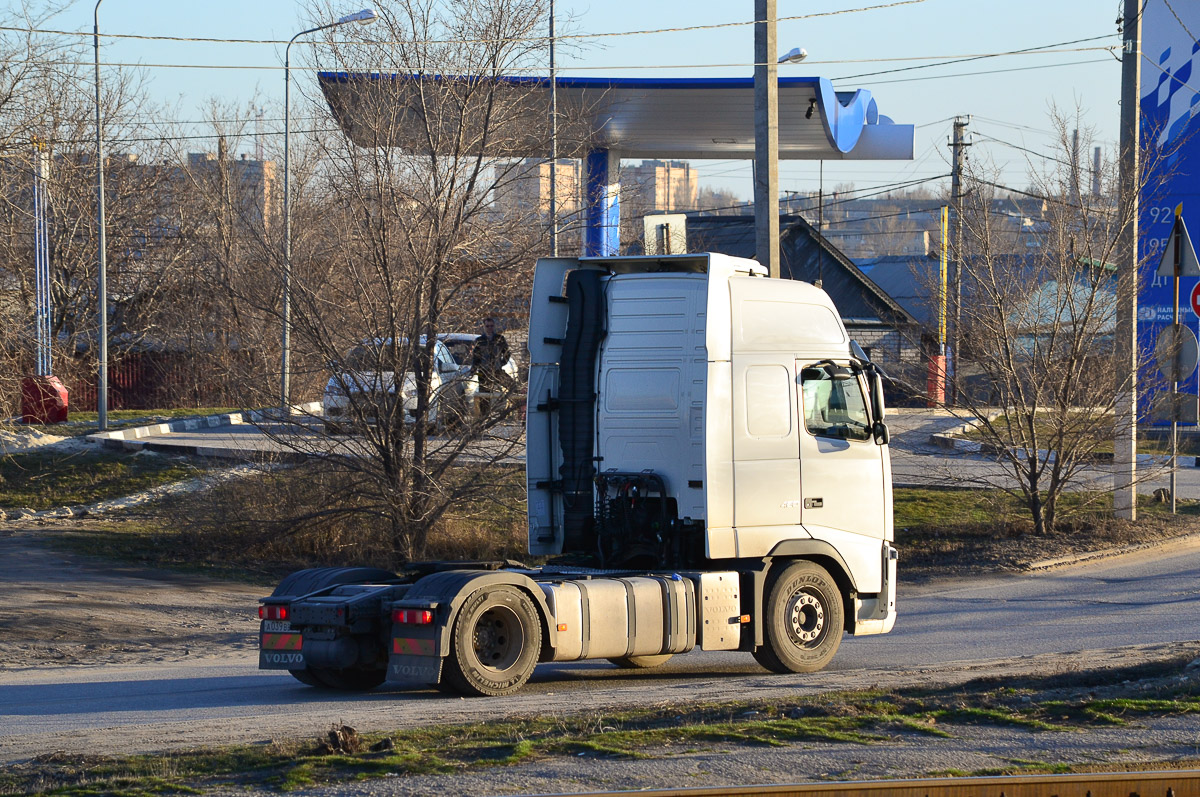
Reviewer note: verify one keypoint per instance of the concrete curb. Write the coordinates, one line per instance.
(949, 440)
(132, 438)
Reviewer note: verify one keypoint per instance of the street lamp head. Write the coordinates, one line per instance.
(794, 56)
(366, 17)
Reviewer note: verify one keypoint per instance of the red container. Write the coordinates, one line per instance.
(43, 400)
(935, 383)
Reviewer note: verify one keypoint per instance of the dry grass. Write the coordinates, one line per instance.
(288, 519)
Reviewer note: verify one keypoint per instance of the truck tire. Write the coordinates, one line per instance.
(495, 644)
(804, 620)
(305, 677)
(302, 582)
(641, 662)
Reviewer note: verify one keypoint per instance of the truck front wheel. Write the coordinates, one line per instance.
(495, 643)
(804, 620)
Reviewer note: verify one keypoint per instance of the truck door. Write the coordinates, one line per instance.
(841, 467)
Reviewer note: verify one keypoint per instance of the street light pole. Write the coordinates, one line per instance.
(102, 262)
(366, 17)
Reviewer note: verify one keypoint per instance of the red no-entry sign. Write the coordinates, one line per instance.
(1196, 299)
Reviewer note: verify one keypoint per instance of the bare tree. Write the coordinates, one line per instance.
(1037, 328)
(397, 240)
(145, 253)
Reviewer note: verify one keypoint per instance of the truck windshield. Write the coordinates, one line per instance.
(833, 407)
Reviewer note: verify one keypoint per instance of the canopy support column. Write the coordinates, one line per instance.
(602, 236)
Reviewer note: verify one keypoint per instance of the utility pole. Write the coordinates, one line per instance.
(958, 147)
(766, 137)
(553, 143)
(1125, 433)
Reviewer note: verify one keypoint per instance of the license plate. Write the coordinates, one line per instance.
(276, 626)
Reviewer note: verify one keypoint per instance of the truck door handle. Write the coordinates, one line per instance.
(814, 503)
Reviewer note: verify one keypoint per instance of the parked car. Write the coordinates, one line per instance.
(370, 379)
(462, 345)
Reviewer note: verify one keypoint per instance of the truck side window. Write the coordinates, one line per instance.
(833, 407)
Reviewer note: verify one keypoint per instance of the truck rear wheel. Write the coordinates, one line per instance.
(804, 620)
(641, 662)
(495, 644)
(305, 677)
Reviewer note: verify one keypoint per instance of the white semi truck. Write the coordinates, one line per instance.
(707, 467)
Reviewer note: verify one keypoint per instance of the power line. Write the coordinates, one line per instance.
(909, 212)
(1044, 48)
(141, 139)
(532, 39)
(992, 71)
(1167, 3)
(1171, 76)
(1024, 149)
(1014, 125)
(613, 67)
(1051, 200)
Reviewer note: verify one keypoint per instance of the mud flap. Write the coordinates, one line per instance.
(414, 670)
(279, 647)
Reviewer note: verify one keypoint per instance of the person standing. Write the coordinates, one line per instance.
(488, 359)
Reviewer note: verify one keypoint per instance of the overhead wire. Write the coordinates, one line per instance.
(1040, 49)
(538, 69)
(1170, 75)
(1022, 149)
(1167, 3)
(989, 71)
(532, 39)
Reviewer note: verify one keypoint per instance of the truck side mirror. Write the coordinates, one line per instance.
(879, 429)
(877, 407)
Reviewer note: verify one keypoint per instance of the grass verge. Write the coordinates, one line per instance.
(1075, 701)
(960, 532)
(43, 480)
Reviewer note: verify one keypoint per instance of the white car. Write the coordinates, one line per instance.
(367, 381)
(462, 345)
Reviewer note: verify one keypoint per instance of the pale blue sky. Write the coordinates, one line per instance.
(1008, 105)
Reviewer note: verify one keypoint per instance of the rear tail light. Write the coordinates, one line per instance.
(412, 616)
(273, 612)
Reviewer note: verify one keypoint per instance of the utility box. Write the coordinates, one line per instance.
(43, 400)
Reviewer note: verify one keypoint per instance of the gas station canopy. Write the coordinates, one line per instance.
(667, 118)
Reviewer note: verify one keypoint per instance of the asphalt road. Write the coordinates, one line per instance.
(1051, 621)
